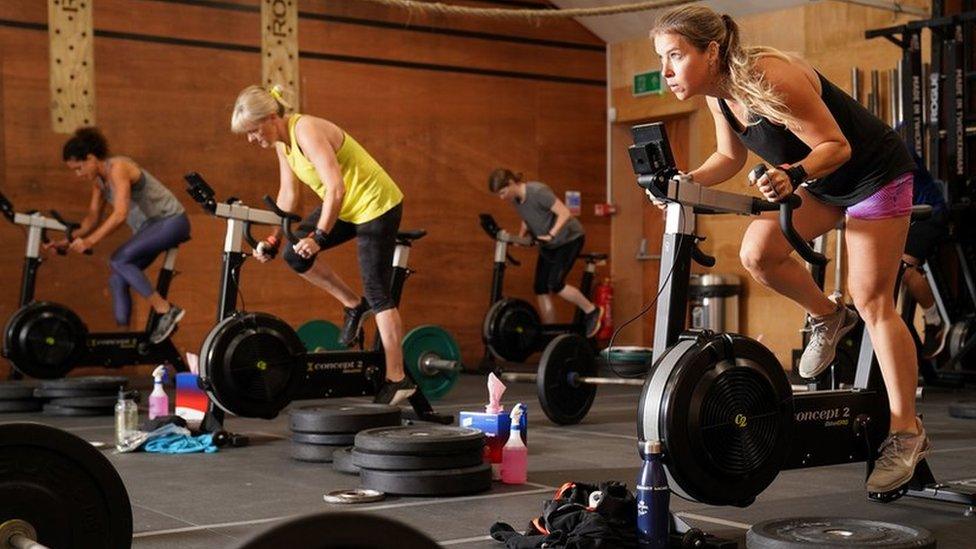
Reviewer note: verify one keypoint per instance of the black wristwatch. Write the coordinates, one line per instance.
(320, 237)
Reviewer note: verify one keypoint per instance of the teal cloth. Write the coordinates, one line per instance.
(181, 444)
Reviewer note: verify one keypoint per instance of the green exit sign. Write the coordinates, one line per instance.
(647, 83)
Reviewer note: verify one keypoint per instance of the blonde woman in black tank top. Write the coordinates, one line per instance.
(851, 163)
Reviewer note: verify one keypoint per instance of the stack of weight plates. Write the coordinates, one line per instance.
(81, 396)
(318, 431)
(18, 397)
(422, 460)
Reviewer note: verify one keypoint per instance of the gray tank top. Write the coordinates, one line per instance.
(149, 200)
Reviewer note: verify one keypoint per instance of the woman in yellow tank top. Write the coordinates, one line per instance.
(359, 200)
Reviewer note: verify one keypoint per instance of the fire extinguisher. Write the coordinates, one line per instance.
(603, 297)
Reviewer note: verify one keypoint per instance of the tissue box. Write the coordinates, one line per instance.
(497, 428)
(191, 400)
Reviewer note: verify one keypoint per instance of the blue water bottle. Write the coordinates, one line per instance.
(653, 523)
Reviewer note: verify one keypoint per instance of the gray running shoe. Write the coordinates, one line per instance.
(825, 333)
(898, 456)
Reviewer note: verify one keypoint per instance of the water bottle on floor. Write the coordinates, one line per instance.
(653, 523)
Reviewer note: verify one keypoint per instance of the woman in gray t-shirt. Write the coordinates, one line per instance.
(156, 217)
(560, 237)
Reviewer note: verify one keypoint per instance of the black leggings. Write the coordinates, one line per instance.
(376, 241)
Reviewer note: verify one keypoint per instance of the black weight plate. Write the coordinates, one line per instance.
(16, 390)
(64, 487)
(331, 439)
(512, 329)
(420, 440)
(343, 418)
(41, 392)
(14, 406)
(445, 482)
(392, 462)
(835, 533)
(54, 410)
(252, 365)
(564, 402)
(44, 340)
(964, 409)
(87, 383)
(316, 453)
(86, 402)
(339, 531)
(342, 462)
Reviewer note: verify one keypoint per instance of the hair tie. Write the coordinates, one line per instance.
(275, 92)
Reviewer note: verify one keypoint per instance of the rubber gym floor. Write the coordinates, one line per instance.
(211, 500)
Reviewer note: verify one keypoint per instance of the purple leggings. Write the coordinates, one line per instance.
(136, 254)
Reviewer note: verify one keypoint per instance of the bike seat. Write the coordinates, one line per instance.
(593, 257)
(407, 237)
(921, 211)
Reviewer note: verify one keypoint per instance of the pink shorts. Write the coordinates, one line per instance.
(892, 200)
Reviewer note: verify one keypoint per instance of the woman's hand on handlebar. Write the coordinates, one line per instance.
(306, 247)
(79, 245)
(60, 244)
(266, 249)
(655, 200)
(774, 184)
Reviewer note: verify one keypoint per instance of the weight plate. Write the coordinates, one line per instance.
(332, 439)
(445, 482)
(320, 335)
(87, 383)
(23, 405)
(835, 533)
(564, 401)
(16, 390)
(343, 418)
(342, 461)
(392, 462)
(356, 495)
(86, 402)
(63, 487)
(316, 453)
(628, 354)
(959, 335)
(44, 340)
(339, 531)
(431, 341)
(252, 365)
(723, 408)
(54, 410)
(513, 330)
(420, 440)
(964, 409)
(41, 392)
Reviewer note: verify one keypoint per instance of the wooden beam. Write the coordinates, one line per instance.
(72, 64)
(279, 46)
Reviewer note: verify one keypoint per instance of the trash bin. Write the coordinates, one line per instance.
(713, 302)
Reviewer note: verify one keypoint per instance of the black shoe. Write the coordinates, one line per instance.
(935, 338)
(165, 324)
(395, 392)
(354, 320)
(592, 321)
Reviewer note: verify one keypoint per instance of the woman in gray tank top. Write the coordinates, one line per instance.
(157, 219)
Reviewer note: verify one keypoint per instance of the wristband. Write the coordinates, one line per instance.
(273, 241)
(796, 173)
(320, 237)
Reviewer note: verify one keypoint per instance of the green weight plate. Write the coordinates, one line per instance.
(431, 341)
(320, 335)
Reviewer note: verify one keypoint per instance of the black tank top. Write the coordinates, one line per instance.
(878, 154)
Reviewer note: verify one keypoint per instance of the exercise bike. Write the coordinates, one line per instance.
(721, 403)
(46, 340)
(512, 330)
(253, 364)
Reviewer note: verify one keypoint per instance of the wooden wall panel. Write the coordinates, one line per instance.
(168, 106)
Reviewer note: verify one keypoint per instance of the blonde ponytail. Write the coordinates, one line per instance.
(254, 104)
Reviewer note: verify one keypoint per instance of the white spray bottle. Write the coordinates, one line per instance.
(158, 399)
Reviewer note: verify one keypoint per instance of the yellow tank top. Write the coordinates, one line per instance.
(370, 191)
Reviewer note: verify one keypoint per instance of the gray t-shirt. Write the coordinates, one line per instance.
(536, 211)
(149, 199)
